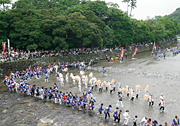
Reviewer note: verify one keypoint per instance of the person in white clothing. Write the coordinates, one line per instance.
(132, 96)
(100, 87)
(86, 84)
(83, 79)
(162, 103)
(41, 92)
(62, 82)
(56, 68)
(74, 80)
(137, 93)
(161, 97)
(144, 121)
(151, 101)
(79, 85)
(126, 117)
(67, 77)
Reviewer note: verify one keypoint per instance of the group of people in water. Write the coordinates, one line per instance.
(86, 101)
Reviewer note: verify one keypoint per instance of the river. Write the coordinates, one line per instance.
(161, 75)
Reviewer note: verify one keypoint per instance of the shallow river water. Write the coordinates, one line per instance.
(162, 76)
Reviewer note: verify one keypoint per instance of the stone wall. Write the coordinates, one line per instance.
(6, 68)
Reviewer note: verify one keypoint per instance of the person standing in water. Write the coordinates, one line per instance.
(151, 101)
(126, 117)
(120, 98)
(164, 54)
(135, 120)
(162, 103)
(107, 111)
(104, 70)
(175, 121)
(115, 115)
(101, 109)
(46, 78)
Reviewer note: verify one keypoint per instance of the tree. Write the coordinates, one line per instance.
(3, 2)
(141, 31)
(108, 36)
(61, 24)
(121, 25)
(99, 8)
(132, 5)
(127, 1)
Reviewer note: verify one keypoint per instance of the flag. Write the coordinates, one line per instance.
(135, 51)
(4, 46)
(153, 47)
(122, 53)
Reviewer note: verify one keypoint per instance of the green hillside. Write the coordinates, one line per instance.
(175, 15)
(65, 24)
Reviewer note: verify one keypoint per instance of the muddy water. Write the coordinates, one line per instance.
(162, 76)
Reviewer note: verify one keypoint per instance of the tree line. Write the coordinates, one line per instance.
(64, 24)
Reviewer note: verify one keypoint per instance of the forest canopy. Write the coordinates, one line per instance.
(64, 24)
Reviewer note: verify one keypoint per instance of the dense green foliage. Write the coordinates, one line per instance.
(63, 24)
(175, 15)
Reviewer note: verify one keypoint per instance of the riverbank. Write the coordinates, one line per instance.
(7, 67)
(160, 74)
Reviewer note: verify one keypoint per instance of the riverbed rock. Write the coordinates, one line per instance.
(46, 121)
(4, 111)
(101, 124)
(28, 100)
(4, 114)
(19, 111)
(41, 124)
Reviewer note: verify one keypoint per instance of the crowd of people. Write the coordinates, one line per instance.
(16, 54)
(19, 82)
(86, 101)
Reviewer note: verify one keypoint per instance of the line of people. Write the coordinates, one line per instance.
(73, 100)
